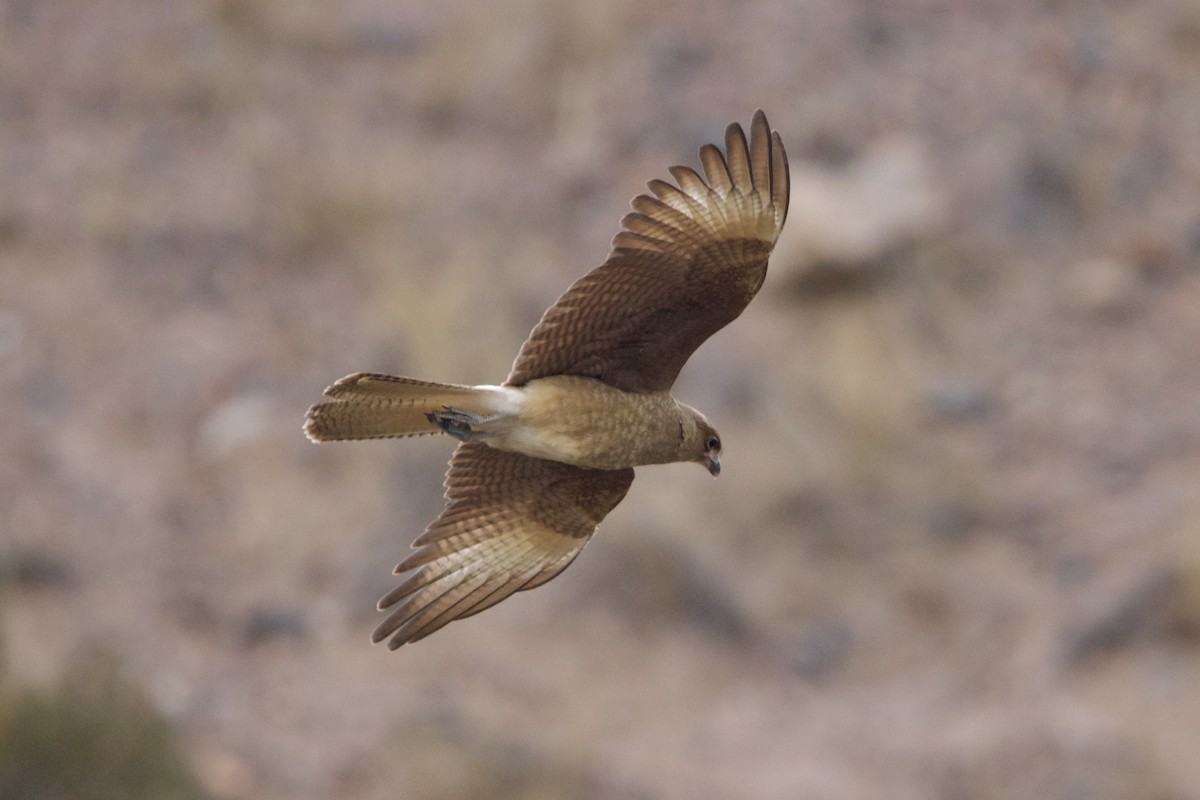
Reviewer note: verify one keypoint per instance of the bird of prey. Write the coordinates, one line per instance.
(543, 457)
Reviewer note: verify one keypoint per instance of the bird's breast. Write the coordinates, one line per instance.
(588, 423)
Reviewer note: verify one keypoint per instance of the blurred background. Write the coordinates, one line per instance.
(955, 549)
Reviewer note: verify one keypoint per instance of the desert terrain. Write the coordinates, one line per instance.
(955, 548)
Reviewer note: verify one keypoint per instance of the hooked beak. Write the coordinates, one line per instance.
(713, 463)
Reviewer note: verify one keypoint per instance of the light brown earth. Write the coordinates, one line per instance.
(955, 549)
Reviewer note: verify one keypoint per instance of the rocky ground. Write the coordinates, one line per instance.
(955, 550)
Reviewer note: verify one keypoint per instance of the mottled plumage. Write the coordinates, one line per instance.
(547, 454)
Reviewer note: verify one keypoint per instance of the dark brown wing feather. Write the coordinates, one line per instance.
(511, 522)
(686, 263)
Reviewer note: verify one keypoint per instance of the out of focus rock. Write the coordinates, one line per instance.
(271, 622)
(954, 519)
(954, 398)
(391, 36)
(225, 774)
(1104, 287)
(445, 755)
(820, 649)
(237, 422)
(12, 334)
(1148, 610)
(35, 569)
(844, 221)
(1185, 610)
(656, 583)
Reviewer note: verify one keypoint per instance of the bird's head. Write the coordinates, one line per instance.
(710, 446)
(712, 454)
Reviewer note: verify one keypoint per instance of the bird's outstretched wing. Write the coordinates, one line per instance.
(685, 264)
(511, 522)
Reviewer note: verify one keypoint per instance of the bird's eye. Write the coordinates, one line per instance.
(713, 443)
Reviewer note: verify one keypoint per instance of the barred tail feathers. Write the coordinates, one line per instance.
(374, 406)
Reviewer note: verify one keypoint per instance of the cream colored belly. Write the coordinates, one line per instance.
(587, 423)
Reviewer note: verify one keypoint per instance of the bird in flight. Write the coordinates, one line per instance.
(543, 457)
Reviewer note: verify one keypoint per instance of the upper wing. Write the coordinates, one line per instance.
(684, 265)
(511, 522)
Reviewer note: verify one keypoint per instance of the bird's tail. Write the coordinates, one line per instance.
(372, 406)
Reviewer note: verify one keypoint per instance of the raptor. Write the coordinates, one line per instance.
(546, 455)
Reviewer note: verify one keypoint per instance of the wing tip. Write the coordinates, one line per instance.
(756, 164)
(311, 428)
